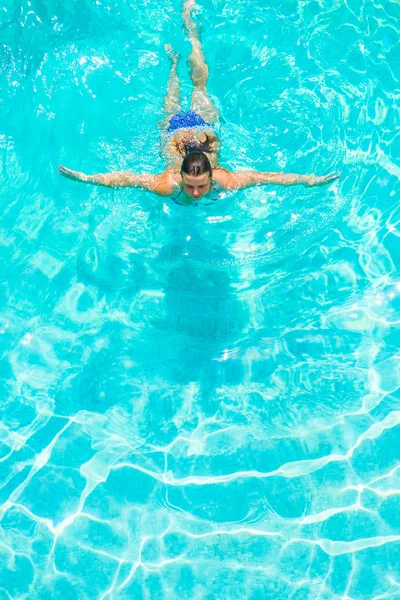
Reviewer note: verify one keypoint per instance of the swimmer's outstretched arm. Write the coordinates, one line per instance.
(243, 179)
(162, 184)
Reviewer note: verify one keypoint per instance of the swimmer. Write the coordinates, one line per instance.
(191, 145)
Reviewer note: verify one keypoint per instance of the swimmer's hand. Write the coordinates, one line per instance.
(312, 180)
(73, 175)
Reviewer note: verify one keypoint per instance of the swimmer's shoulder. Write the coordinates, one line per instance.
(222, 177)
(173, 175)
(168, 182)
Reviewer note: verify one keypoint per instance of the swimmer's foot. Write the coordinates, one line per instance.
(173, 55)
(188, 7)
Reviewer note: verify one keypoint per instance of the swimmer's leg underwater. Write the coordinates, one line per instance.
(202, 103)
(172, 99)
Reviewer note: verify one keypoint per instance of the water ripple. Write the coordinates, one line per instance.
(200, 404)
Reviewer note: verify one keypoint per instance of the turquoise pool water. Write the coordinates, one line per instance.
(200, 403)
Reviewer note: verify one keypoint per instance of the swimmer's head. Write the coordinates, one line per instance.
(196, 163)
(196, 174)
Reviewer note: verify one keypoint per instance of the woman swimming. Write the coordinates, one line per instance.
(191, 145)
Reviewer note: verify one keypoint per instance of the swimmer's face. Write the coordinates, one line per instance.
(196, 186)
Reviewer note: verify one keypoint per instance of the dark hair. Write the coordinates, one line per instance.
(195, 145)
(196, 163)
